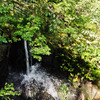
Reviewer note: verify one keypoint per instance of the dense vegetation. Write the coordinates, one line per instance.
(70, 25)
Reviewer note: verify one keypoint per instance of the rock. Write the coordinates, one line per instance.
(43, 95)
(34, 91)
(67, 92)
(62, 95)
(89, 91)
(84, 91)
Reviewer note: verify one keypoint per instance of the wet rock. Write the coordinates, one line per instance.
(43, 95)
(35, 92)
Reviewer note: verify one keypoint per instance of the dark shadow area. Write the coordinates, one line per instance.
(62, 62)
(17, 57)
(3, 64)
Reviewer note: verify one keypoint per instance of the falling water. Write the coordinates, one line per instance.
(42, 78)
(27, 57)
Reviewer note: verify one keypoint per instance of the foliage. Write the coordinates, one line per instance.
(77, 67)
(71, 25)
(81, 38)
(7, 91)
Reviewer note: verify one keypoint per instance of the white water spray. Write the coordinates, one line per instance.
(42, 78)
(27, 57)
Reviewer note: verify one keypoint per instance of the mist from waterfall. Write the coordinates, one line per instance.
(42, 78)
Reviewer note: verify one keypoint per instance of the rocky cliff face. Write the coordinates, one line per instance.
(3, 64)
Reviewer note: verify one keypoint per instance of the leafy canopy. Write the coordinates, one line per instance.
(73, 25)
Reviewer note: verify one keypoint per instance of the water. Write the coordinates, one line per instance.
(27, 56)
(42, 78)
(38, 79)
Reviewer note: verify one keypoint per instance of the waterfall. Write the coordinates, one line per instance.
(27, 56)
(42, 78)
(36, 82)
